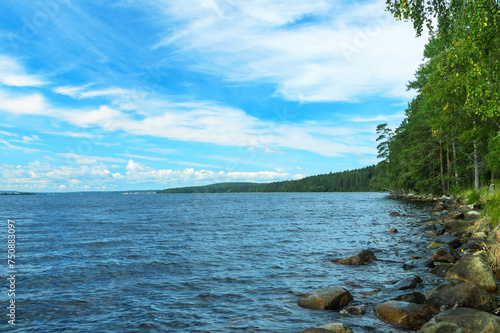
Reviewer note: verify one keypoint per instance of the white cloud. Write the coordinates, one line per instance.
(398, 116)
(82, 159)
(344, 52)
(12, 74)
(143, 157)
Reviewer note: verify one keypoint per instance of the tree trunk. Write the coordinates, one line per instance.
(476, 166)
(455, 162)
(449, 169)
(442, 166)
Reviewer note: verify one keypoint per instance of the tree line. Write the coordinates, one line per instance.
(450, 136)
(358, 180)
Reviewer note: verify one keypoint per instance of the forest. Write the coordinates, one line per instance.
(358, 180)
(449, 139)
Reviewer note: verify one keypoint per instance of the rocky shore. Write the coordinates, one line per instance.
(466, 257)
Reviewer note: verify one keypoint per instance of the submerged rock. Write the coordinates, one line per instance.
(337, 328)
(393, 230)
(394, 214)
(403, 314)
(315, 330)
(469, 320)
(358, 259)
(333, 298)
(466, 294)
(354, 310)
(476, 269)
(408, 283)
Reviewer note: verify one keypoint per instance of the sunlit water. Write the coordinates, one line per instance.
(203, 262)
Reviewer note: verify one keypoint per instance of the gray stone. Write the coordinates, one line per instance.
(408, 283)
(414, 297)
(445, 239)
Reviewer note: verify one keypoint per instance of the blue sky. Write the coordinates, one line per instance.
(119, 95)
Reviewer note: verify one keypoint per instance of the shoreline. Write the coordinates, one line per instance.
(465, 261)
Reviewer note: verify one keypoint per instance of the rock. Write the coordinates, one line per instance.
(467, 294)
(471, 246)
(442, 327)
(456, 226)
(408, 283)
(494, 234)
(354, 310)
(440, 206)
(473, 268)
(469, 320)
(486, 255)
(315, 330)
(445, 239)
(333, 298)
(430, 227)
(358, 259)
(414, 297)
(394, 214)
(446, 253)
(480, 227)
(337, 327)
(454, 215)
(403, 314)
(439, 271)
(393, 230)
(472, 215)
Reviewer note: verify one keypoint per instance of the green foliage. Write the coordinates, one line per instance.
(492, 208)
(359, 180)
(473, 197)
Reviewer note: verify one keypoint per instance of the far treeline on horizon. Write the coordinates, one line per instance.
(449, 139)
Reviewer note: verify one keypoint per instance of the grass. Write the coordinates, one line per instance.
(490, 200)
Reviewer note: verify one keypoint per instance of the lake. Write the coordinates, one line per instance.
(105, 262)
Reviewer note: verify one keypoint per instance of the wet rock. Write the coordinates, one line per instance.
(439, 271)
(469, 320)
(430, 227)
(473, 268)
(446, 253)
(393, 230)
(414, 297)
(394, 214)
(403, 314)
(333, 298)
(471, 246)
(358, 259)
(337, 327)
(467, 294)
(315, 330)
(442, 327)
(354, 310)
(472, 215)
(439, 207)
(408, 283)
(445, 239)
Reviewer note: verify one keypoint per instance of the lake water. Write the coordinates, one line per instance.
(202, 262)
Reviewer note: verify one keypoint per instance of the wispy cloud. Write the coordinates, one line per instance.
(344, 52)
(192, 164)
(13, 74)
(83, 159)
(143, 157)
(398, 116)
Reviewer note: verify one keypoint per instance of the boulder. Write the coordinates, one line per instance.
(471, 215)
(333, 298)
(469, 320)
(414, 297)
(394, 214)
(471, 246)
(392, 230)
(456, 226)
(445, 239)
(358, 259)
(474, 268)
(439, 207)
(315, 330)
(337, 327)
(442, 327)
(446, 253)
(466, 294)
(403, 314)
(454, 215)
(408, 283)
